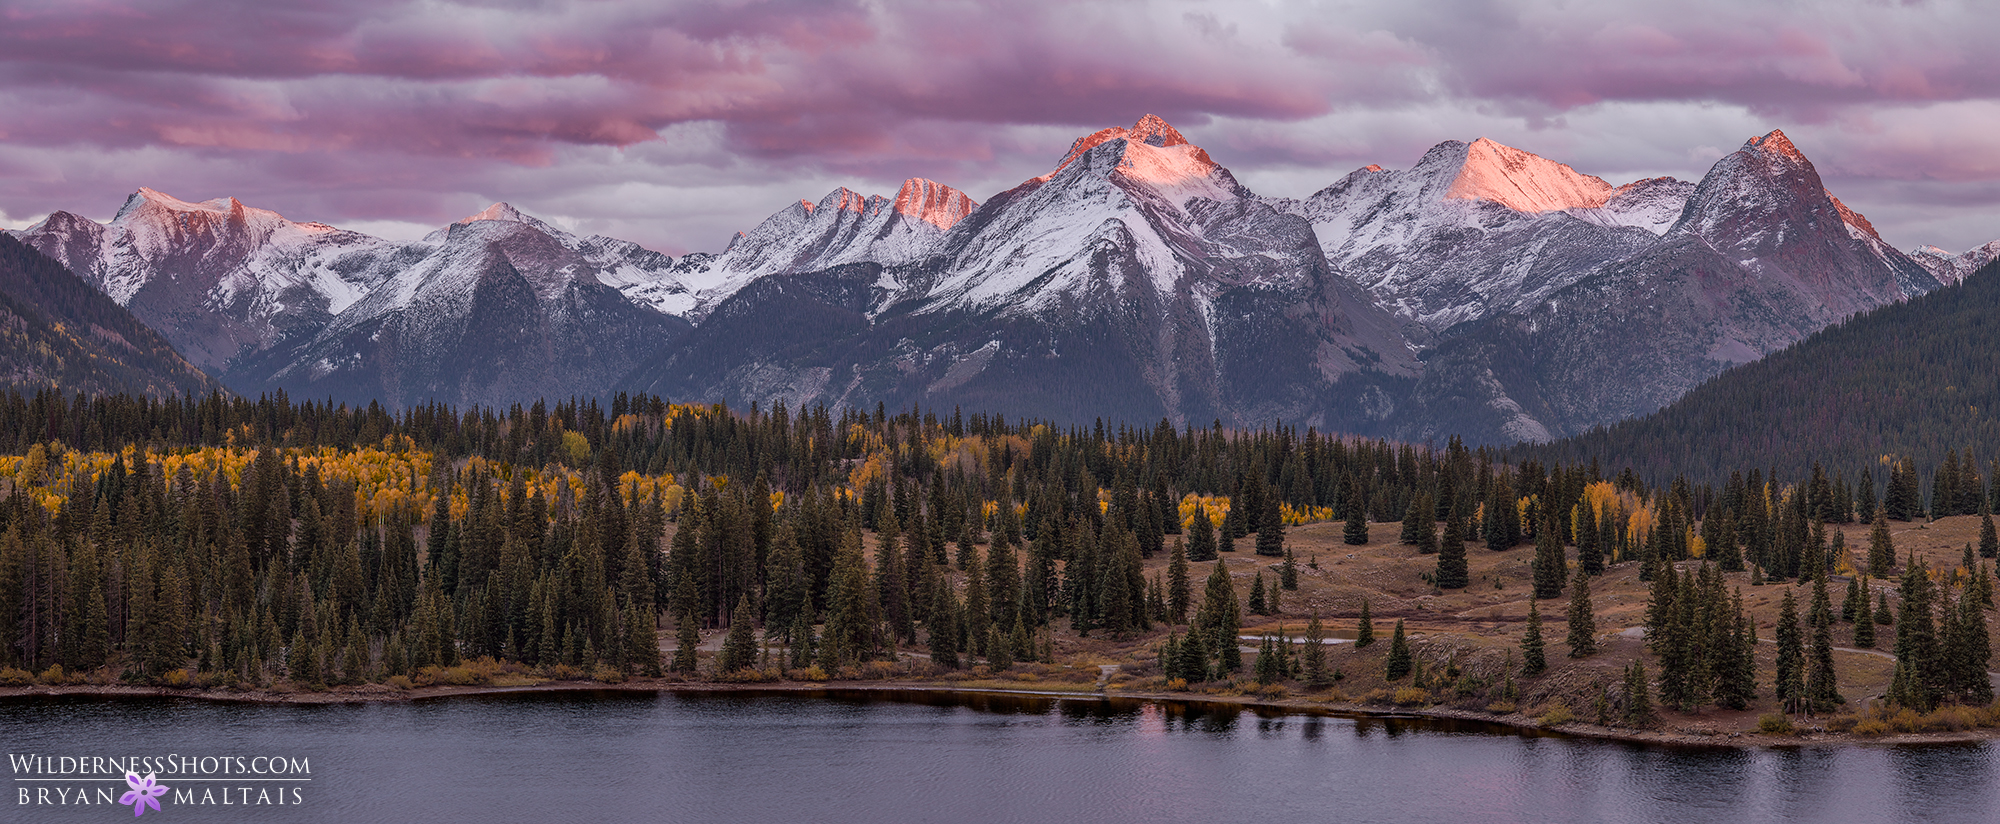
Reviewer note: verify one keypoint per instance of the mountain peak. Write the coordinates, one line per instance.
(1524, 181)
(497, 211)
(1775, 143)
(1150, 131)
(935, 203)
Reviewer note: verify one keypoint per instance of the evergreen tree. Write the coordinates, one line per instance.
(739, 648)
(942, 626)
(1220, 617)
(1974, 651)
(1550, 568)
(1534, 658)
(1179, 594)
(1864, 621)
(1735, 658)
(1582, 624)
(1312, 663)
(1400, 661)
(1989, 542)
(1256, 603)
(1638, 696)
(1356, 533)
(1451, 564)
(1201, 538)
(1915, 683)
(1270, 528)
(1881, 549)
(1288, 573)
(1364, 630)
(1789, 684)
(1820, 694)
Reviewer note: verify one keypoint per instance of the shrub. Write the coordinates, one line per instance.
(1501, 707)
(1177, 684)
(11, 677)
(1376, 696)
(1775, 723)
(175, 678)
(607, 675)
(1905, 720)
(1273, 691)
(1871, 728)
(401, 682)
(812, 673)
(53, 676)
(1843, 722)
(1411, 696)
(1556, 714)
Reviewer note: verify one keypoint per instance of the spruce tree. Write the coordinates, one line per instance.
(1178, 592)
(1881, 549)
(1989, 542)
(1735, 657)
(1451, 565)
(1550, 569)
(942, 626)
(1256, 603)
(1271, 528)
(1915, 682)
(1638, 696)
(1288, 573)
(1820, 693)
(1201, 540)
(1364, 630)
(1534, 658)
(1789, 683)
(1864, 621)
(739, 648)
(1312, 663)
(1356, 532)
(687, 639)
(1582, 624)
(1399, 654)
(1220, 617)
(1975, 652)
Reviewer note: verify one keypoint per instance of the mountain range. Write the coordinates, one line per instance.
(1485, 292)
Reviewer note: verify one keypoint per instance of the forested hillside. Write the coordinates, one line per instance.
(226, 542)
(1916, 380)
(58, 331)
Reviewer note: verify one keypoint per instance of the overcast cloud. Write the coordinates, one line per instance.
(677, 124)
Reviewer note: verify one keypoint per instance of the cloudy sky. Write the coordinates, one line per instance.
(676, 124)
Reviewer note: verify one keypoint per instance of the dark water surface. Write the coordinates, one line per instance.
(847, 758)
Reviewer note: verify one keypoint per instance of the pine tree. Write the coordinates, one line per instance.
(1270, 527)
(1975, 651)
(1399, 654)
(1550, 569)
(1220, 617)
(1201, 538)
(1820, 694)
(739, 648)
(942, 626)
(1735, 657)
(1312, 663)
(1364, 630)
(1178, 592)
(1356, 532)
(1915, 682)
(1881, 549)
(1789, 684)
(1989, 542)
(1451, 564)
(1864, 620)
(1582, 624)
(1638, 696)
(1534, 658)
(1288, 573)
(1256, 603)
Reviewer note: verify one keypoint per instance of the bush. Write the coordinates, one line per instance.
(1905, 720)
(812, 673)
(1775, 723)
(1411, 696)
(1176, 684)
(1843, 722)
(1871, 728)
(175, 678)
(1501, 707)
(11, 677)
(1556, 714)
(401, 682)
(607, 675)
(53, 676)
(1273, 691)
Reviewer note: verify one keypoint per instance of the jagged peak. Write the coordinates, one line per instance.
(1851, 217)
(498, 211)
(1524, 181)
(933, 202)
(1150, 131)
(1774, 143)
(153, 197)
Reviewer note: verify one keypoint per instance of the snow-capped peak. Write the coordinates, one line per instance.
(1775, 143)
(1523, 181)
(497, 211)
(934, 203)
(1152, 132)
(1950, 268)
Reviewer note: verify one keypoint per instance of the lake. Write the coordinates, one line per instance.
(842, 756)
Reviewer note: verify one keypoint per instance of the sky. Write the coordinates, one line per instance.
(677, 124)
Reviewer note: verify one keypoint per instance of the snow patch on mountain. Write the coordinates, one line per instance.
(1523, 181)
(1950, 268)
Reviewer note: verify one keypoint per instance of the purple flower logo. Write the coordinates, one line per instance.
(145, 793)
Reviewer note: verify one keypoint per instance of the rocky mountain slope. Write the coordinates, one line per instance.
(1485, 291)
(58, 332)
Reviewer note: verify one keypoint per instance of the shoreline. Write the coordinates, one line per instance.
(1517, 722)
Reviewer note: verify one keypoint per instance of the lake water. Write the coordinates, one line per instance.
(845, 757)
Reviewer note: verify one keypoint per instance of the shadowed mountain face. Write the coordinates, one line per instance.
(1485, 292)
(58, 332)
